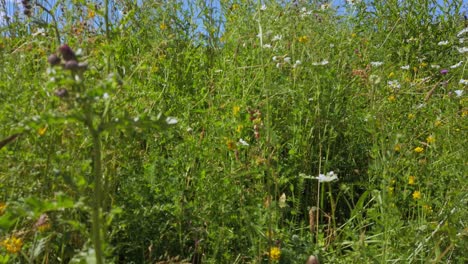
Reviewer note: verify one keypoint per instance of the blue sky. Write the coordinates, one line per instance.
(15, 6)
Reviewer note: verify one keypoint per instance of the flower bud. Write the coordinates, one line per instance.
(61, 92)
(67, 53)
(71, 65)
(53, 59)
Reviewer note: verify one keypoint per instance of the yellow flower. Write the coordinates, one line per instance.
(418, 149)
(239, 128)
(411, 180)
(235, 110)
(392, 98)
(12, 244)
(234, 7)
(437, 123)
(353, 35)
(91, 14)
(163, 26)
(464, 113)
(42, 131)
(44, 227)
(417, 195)
(303, 39)
(275, 253)
(231, 145)
(411, 116)
(430, 139)
(391, 75)
(397, 148)
(390, 190)
(423, 64)
(427, 208)
(2, 208)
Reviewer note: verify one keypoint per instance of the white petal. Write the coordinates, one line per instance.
(171, 120)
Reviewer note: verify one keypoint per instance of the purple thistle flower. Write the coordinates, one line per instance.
(443, 71)
(67, 53)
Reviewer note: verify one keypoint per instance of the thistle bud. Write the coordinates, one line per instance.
(27, 7)
(67, 53)
(61, 92)
(71, 65)
(53, 60)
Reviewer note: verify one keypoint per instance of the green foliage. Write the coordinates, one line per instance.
(201, 132)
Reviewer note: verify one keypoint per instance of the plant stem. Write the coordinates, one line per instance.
(96, 218)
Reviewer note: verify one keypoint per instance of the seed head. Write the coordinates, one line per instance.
(53, 60)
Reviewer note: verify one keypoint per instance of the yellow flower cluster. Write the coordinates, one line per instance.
(12, 244)
(430, 139)
(411, 180)
(417, 195)
(275, 253)
(419, 150)
(303, 39)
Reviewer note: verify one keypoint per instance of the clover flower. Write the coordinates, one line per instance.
(43, 223)
(464, 82)
(263, 8)
(376, 63)
(405, 67)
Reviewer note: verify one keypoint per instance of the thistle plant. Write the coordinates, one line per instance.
(87, 101)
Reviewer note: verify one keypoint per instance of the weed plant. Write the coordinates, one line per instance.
(233, 132)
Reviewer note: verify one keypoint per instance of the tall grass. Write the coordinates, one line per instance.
(199, 130)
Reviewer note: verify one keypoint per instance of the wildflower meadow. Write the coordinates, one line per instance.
(233, 131)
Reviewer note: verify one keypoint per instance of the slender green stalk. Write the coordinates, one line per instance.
(96, 217)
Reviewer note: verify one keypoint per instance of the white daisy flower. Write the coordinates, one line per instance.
(457, 65)
(443, 43)
(463, 49)
(171, 120)
(330, 176)
(243, 142)
(276, 38)
(376, 63)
